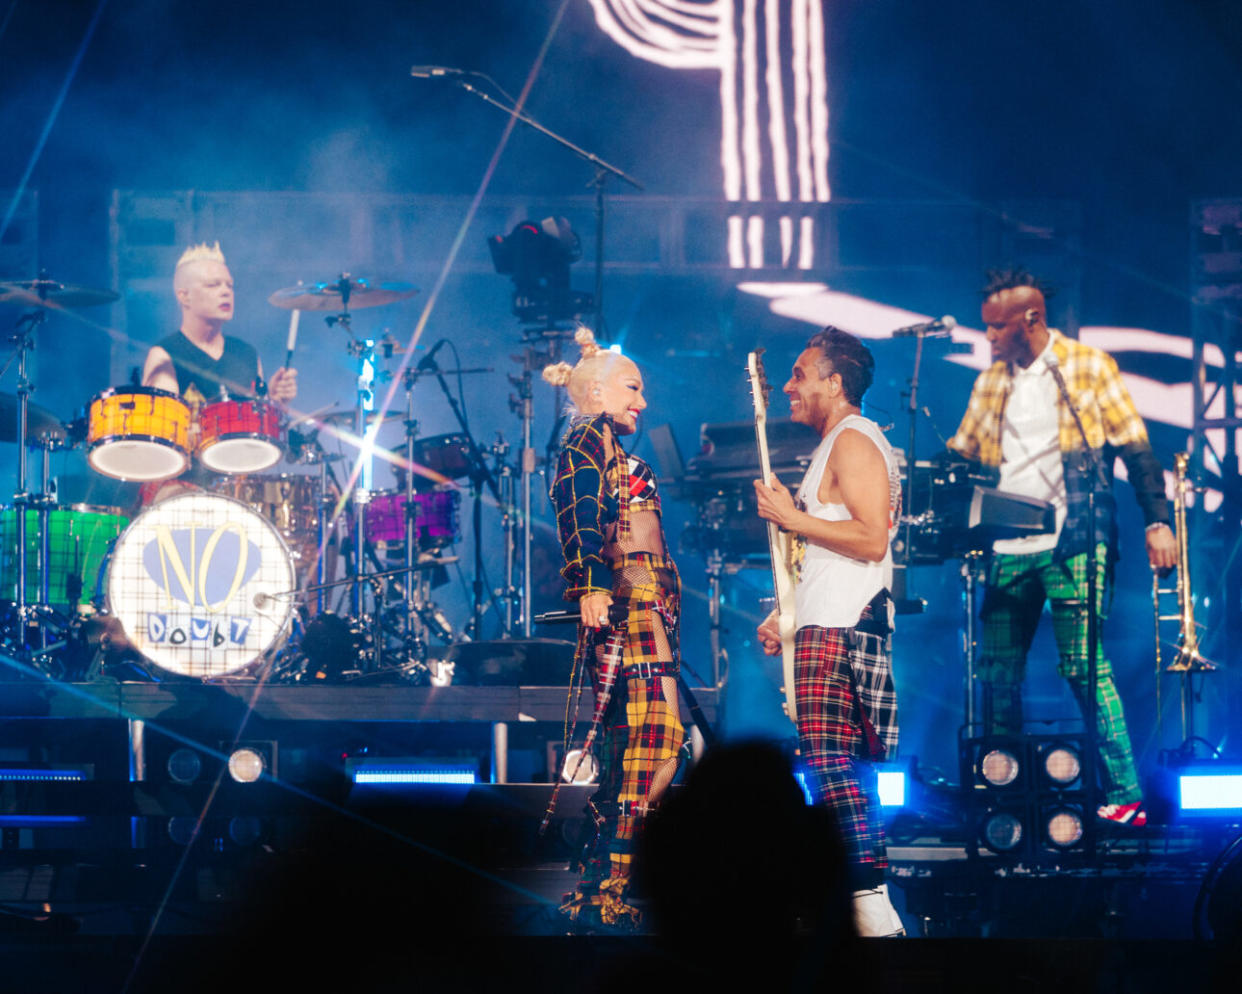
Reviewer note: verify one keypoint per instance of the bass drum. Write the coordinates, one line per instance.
(202, 585)
(291, 502)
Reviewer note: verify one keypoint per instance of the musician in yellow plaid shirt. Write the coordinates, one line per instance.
(1018, 422)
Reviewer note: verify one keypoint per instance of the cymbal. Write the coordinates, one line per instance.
(347, 418)
(50, 293)
(340, 295)
(40, 422)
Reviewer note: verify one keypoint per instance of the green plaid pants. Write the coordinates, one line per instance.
(1016, 590)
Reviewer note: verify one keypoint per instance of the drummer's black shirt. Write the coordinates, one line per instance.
(200, 378)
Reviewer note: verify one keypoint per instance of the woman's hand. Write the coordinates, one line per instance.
(593, 609)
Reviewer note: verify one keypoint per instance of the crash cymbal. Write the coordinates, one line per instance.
(338, 295)
(40, 422)
(50, 293)
(343, 417)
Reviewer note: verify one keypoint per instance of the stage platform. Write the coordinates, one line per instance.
(451, 884)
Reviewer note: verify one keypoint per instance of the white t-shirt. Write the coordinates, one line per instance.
(833, 589)
(1031, 449)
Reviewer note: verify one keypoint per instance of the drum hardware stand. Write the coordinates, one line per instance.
(479, 475)
(363, 350)
(31, 618)
(412, 629)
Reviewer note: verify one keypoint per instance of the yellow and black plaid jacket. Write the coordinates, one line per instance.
(1112, 425)
(586, 505)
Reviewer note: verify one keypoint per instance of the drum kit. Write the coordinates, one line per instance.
(238, 578)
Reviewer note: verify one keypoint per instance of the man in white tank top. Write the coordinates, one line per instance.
(844, 516)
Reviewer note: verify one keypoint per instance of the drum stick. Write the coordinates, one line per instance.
(293, 336)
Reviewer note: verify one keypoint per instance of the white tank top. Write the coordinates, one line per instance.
(833, 589)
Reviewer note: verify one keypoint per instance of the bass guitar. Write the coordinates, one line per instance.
(780, 543)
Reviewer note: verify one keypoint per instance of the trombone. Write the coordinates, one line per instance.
(1187, 660)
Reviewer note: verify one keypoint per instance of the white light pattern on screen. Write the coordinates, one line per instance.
(758, 47)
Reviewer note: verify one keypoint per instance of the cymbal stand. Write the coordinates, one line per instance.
(510, 596)
(522, 404)
(413, 642)
(23, 340)
(314, 453)
(362, 350)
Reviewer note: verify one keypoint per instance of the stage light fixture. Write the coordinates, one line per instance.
(1062, 764)
(1063, 827)
(1024, 795)
(184, 765)
(181, 829)
(537, 256)
(246, 764)
(1210, 791)
(999, 767)
(1001, 831)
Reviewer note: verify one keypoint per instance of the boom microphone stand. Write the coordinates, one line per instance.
(1098, 479)
(602, 169)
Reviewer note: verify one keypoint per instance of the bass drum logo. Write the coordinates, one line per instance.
(201, 584)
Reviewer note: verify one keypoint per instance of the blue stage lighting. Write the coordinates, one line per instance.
(410, 771)
(1210, 792)
(890, 784)
(47, 773)
(892, 787)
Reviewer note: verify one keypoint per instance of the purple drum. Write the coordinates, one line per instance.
(435, 518)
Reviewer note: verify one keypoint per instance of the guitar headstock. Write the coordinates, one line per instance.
(760, 389)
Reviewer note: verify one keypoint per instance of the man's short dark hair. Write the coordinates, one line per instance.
(999, 280)
(843, 353)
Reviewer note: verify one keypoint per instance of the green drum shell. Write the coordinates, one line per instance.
(79, 539)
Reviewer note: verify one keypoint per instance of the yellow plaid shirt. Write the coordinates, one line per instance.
(1109, 418)
(1108, 414)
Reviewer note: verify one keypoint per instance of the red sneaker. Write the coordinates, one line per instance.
(1130, 815)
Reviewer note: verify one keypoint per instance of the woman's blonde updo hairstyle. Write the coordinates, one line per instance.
(591, 368)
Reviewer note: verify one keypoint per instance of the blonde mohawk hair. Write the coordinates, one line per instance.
(202, 252)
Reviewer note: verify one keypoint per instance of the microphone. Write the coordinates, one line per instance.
(616, 616)
(429, 360)
(941, 327)
(1053, 365)
(426, 72)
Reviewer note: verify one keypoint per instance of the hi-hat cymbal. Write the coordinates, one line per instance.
(339, 295)
(50, 293)
(40, 422)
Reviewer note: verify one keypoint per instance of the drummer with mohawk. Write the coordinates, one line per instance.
(199, 361)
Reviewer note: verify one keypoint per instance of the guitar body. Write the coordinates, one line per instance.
(780, 544)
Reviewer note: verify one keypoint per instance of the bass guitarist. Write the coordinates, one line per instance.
(844, 515)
